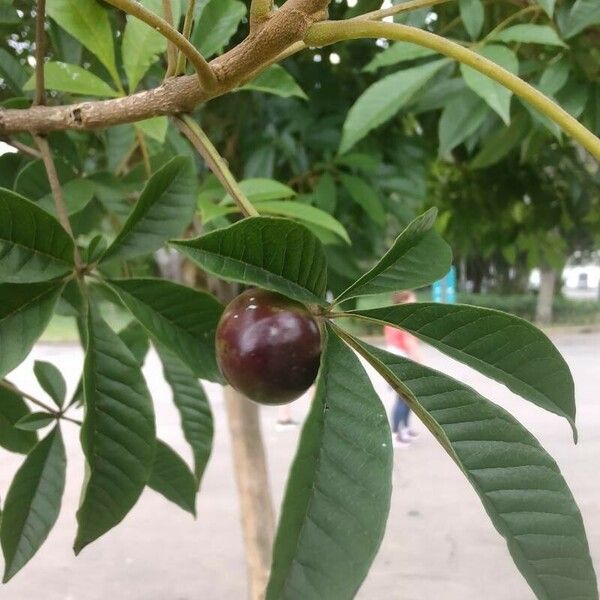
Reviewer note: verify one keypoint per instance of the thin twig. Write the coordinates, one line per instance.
(24, 148)
(215, 162)
(7, 385)
(49, 409)
(204, 71)
(187, 33)
(40, 50)
(376, 15)
(59, 201)
(171, 48)
(139, 134)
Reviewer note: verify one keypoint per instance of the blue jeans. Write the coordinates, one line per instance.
(400, 414)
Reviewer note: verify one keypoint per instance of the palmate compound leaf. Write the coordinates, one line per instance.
(518, 482)
(118, 432)
(194, 410)
(33, 502)
(33, 245)
(501, 346)
(164, 209)
(273, 253)
(418, 257)
(25, 310)
(338, 493)
(181, 318)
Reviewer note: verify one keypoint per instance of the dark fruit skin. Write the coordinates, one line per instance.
(268, 347)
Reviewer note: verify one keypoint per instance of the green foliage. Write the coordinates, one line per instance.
(51, 380)
(501, 346)
(73, 79)
(27, 255)
(182, 319)
(24, 313)
(12, 409)
(418, 257)
(172, 478)
(275, 254)
(117, 435)
(164, 209)
(307, 142)
(519, 484)
(339, 486)
(33, 502)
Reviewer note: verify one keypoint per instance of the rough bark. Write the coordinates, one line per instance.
(257, 514)
(545, 299)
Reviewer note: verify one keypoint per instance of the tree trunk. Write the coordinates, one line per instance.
(545, 299)
(250, 466)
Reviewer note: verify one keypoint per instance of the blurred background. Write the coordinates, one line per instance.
(330, 142)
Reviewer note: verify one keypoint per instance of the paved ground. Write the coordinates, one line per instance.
(439, 543)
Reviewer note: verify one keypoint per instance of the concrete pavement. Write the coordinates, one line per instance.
(439, 542)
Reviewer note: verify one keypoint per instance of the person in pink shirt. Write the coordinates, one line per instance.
(402, 343)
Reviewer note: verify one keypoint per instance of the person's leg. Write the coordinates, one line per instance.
(397, 414)
(402, 411)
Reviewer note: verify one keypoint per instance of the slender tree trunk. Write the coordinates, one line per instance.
(257, 514)
(249, 457)
(545, 299)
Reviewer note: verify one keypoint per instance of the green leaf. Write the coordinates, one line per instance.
(118, 432)
(13, 408)
(33, 245)
(142, 45)
(555, 76)
(519, 484)
(472, 14)
(397, 53)
(339, 487)
(25, 310)
(219, 21)
(259, 189)
(275, 254)
(33, 503)
(164, 209)
(495, 94)
(77, 194)
(583, 14)
(87, 21)
(500, 143)
(51, 380)
(193, 407)
(183, 319)
(12, 72)
(155, 128)
(276, 80)
(365, 196)
(418, 257)
(134, 336)
(460, 119)
(306, 213)
(529, 33)
(548, 6)
(172, 478)
(501, 346)
(72, 79)
(384, 99)
(35, 421)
